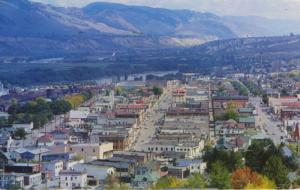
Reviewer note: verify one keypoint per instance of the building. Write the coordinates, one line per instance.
(145, 176)
(87, 151)
(8, 180)
(24, 154)
(23, 168)
(229, 128)
(45, 140)
(248, 122)
(179, 95)
(72, 179)
(52, 169)
(195, 166)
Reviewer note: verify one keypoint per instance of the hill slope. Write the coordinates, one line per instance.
(39, 30)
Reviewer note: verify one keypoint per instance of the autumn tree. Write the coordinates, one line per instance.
(263, 182)
(241, 177)
(169, 183)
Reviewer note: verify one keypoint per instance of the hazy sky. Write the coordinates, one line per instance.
(267, 8)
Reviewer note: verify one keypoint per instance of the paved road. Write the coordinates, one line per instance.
(149, 126)
(268, 126)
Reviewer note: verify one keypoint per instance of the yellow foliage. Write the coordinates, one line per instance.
(75, 100)
(264, 183)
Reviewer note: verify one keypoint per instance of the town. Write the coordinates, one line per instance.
(192, 131)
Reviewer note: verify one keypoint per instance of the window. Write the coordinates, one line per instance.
(94, 150)
(67, 184)
(81, 149)
(71, 149)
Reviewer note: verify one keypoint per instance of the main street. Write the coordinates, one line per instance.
(149, 125)
(268, 126)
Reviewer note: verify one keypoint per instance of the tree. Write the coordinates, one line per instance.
(219, 176)
(20, 133)
(262, 183)
(232, 160)
(169, 182)
(59, 107)
(277, 171)
(195, 181)
(157, 91)
(118, 90)
(259, 152)
(265, 98)
(241, 177)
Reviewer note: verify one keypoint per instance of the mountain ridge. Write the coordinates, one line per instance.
(30, 29)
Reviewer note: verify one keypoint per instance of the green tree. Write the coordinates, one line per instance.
(169, 182)
(20, 133)
(265, 98)
(277, 171)
(259, 152)
(195, 181)
(219, 176)
(231, 114)
(157, 91)
(60, 107)
(118, 90)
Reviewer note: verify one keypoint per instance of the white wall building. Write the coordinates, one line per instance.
(72, 179)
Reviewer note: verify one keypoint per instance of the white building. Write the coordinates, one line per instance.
(72, 179)
(53, 168)
(190, 149)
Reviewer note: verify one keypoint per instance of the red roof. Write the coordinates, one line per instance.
(288, 97)
(179, 90)
(291, 104)
(46, 138)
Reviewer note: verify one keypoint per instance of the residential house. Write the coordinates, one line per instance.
(72, 179)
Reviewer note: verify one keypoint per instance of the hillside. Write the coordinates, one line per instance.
(38, 30)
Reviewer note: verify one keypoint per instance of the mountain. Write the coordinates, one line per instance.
(39, 30)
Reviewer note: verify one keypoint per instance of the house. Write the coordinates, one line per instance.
(194, 166)
(86, 151)
(72, 179)
(6, 141)
(23, 168)
(45, 140)
(248, 122)
(52, 169)
(29, 154)
(27, 127)
(57, 156)
(4, 115)
(95, 173)
(179, 95)
(245, 112)
(229, 128)
(180, 172)
(32, 179)
(8, 180)
(145, 176)
(76, 118)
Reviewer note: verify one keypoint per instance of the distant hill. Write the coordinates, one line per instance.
(39, 30)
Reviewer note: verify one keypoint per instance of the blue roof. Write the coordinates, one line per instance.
(286, 151)
(185, 163)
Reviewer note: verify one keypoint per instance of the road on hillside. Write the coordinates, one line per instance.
(149, 126)
(269, 126)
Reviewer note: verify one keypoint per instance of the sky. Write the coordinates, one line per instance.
(279, 9)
